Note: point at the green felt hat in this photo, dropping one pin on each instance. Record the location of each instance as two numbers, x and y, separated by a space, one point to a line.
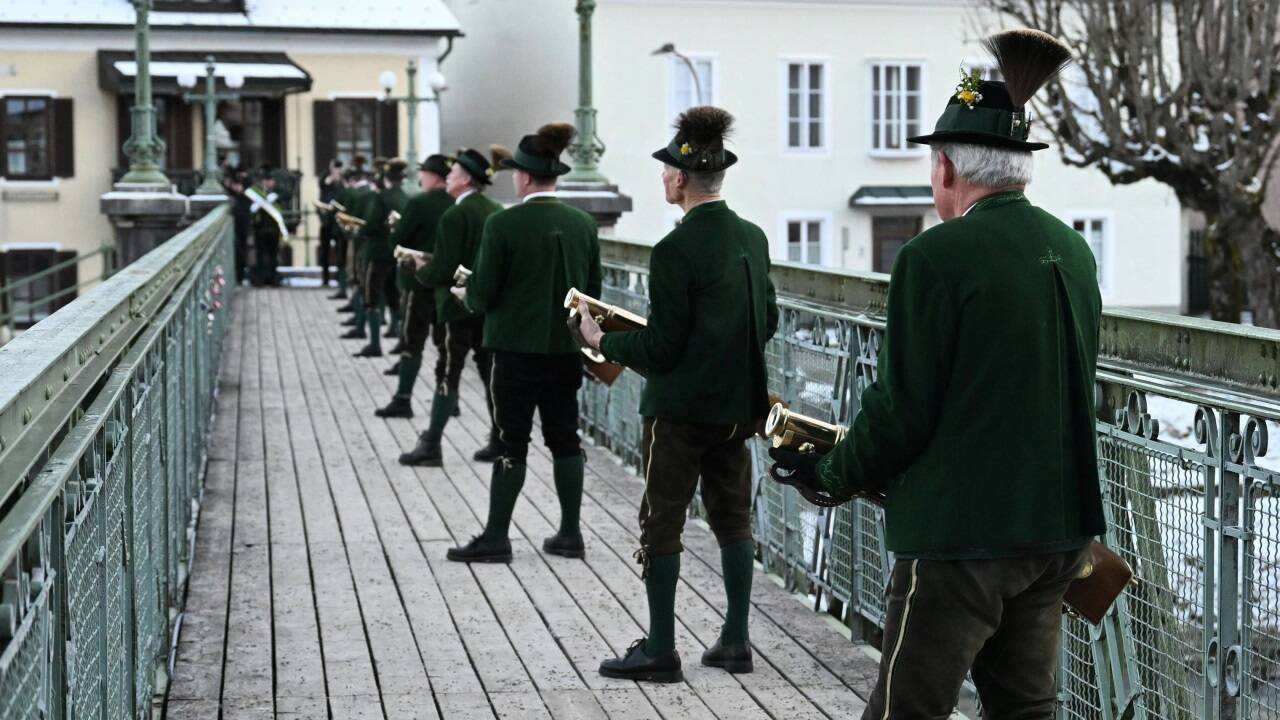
698 145
437 164
539 153
476 164
993 113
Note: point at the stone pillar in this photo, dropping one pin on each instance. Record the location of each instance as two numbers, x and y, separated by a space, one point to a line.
145 216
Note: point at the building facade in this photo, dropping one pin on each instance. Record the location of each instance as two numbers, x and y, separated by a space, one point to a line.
310 93
825 93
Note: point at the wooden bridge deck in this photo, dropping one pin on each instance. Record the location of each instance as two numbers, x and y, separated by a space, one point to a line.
320 588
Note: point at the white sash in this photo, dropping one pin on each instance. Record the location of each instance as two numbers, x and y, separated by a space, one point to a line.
264 203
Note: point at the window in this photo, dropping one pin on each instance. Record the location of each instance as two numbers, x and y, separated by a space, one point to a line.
31 301
807 238
27 137
1096 231
682 92
888 235
173 125
354 128
806 105
897 106
249 132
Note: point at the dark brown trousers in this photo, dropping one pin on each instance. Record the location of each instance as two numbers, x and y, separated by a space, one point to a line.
674 456
1001 618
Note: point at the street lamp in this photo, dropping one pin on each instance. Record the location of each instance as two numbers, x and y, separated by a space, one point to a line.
437 83
144 148
670 49
210 98
587 150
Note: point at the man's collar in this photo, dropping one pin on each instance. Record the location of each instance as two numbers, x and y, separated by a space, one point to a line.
465 195
540 194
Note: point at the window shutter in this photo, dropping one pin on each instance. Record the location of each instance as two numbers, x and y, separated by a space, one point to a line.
67 278
387 134
181 135
64 143
322 121
273 131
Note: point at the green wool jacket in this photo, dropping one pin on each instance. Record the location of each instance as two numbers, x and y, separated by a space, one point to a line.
457 242
357 201
377 235
979 426
530 255
417 227
712 309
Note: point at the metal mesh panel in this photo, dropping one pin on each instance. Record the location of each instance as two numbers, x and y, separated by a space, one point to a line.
1260 684
118 630
86 663
1155 500
24 670
1077 679
141 555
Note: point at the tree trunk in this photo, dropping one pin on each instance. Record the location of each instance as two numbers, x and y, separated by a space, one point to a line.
1262 276
1227 233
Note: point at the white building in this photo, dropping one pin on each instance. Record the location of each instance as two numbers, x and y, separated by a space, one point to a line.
825 93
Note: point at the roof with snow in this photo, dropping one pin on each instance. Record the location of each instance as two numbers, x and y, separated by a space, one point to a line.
403 17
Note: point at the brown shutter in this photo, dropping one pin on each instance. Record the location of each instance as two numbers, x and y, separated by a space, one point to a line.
273 131
180 151
387 134
64 143
67 278
323 131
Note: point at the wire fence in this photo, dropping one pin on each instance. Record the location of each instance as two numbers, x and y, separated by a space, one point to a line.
1197 514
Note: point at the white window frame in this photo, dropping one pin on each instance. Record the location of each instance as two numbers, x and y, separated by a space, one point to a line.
1106 277
674 65
826 223
784 94
910 150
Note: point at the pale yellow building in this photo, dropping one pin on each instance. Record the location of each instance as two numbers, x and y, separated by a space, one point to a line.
310 92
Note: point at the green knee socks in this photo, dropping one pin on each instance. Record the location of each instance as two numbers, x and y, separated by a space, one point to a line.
357 307
504 490
568 472
441 410
660 586
738 562
409 366
374 317
342 280
395 320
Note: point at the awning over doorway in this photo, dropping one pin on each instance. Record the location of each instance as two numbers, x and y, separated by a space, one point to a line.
891 196
263 73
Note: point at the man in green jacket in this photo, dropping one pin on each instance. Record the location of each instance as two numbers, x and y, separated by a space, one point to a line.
995 308
356 198
417 231
711 311
530 256
268 227
457 242
380 265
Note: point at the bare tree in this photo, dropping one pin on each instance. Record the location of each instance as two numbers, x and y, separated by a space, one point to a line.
1186 92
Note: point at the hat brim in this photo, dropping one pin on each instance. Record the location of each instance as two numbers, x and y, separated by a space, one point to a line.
666 157
983 139
511 164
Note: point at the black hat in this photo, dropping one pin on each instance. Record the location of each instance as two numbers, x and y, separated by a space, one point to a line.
539 153
437 164
266 168
395 170
698 146
993 113
478 166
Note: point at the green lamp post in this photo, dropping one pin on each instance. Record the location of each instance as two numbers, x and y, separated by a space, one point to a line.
144 149
388 82
587 150
210 98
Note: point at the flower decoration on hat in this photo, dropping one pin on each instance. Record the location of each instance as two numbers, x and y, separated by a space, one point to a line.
686 149
968 91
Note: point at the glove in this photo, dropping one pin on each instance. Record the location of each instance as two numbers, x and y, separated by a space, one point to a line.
800 471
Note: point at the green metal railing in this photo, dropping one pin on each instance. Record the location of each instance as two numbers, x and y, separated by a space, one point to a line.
104 410
1185 419
12 309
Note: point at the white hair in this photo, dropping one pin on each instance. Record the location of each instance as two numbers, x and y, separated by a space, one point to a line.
984 166
705 183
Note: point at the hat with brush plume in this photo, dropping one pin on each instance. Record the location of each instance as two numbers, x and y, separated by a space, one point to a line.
698 146
539 153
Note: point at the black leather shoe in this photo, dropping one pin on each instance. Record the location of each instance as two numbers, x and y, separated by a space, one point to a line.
399 407
350 322
636 665
564 546
489 453
346 308
368 351
733 658
390 334
397 348
456 412
353 334
425 454
481 550
340 295
394 370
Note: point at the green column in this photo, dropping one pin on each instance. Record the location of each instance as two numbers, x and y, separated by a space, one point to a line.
143 148
587 150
